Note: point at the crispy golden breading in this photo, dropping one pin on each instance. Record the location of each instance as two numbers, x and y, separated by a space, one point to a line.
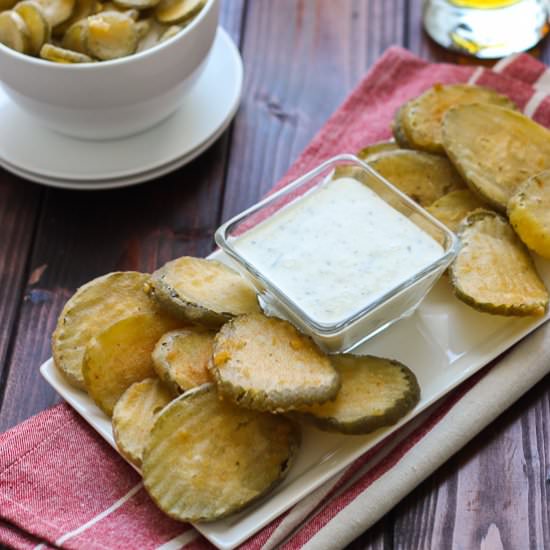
529 213
181 358
421 117
134 415
207 458
493 271
90 309
205 292
264 363
375 392
120 355
495 149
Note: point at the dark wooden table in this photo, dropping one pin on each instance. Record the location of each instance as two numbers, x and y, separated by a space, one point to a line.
301 59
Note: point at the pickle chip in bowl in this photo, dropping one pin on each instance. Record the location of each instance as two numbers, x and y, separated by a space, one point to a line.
57 11
111 35
177 11
62 55
14 32
37 24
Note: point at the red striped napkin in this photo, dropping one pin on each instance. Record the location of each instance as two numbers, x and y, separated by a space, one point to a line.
61 485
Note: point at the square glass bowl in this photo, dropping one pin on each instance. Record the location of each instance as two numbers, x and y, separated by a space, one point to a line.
279 213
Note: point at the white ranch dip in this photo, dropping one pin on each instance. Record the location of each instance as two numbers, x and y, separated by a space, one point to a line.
337 249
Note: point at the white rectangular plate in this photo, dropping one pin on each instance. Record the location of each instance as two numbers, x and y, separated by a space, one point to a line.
444 343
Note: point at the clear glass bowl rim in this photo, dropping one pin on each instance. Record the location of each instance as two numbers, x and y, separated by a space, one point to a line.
331 329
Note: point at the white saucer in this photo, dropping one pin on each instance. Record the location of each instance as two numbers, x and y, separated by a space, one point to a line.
41 155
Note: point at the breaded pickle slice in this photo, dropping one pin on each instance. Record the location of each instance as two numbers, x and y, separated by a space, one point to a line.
381 147
134 415
421 117
94 306
422 176
203 291
375 392
38 26
264 363
111 35
207 458
76 37
181 358
170 32
529 213
453 207
61 55
14 32
82 9
56 11
397 129
493 271
171 12
136 4
120 355
495 149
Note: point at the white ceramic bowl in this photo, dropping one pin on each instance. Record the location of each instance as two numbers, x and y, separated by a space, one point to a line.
111 99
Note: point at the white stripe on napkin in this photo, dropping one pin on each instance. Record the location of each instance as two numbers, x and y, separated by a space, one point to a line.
504 62
543 81
533 104
99 517
474 77
181 540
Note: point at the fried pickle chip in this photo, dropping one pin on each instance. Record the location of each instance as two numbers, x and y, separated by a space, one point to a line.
111 35
264 363
421 118
177 11
422 176
493 271
453 207
495 149
181 358
376 148
529 213
90 309
56 11
120 355
82 9
206 458
375 392
76 37
38 26
14 32
61 55
136 4
397 129
203 291
134 415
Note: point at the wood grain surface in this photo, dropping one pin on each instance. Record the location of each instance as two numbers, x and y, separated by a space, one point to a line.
301 58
